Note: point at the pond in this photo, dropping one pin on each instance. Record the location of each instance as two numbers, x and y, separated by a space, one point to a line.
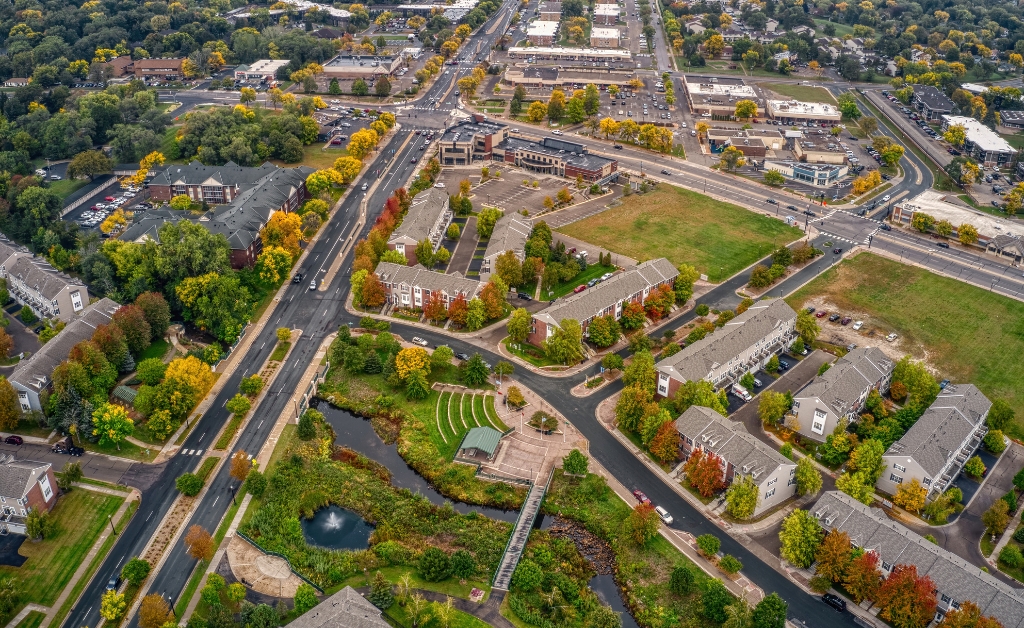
606 589
357 433
337 529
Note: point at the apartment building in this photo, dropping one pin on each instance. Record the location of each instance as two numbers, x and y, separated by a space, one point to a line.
956 580
213 184
48 292
427 219
32 375
510 234
604 37
742 345
935 448
841 391
542 32
411 286
932 102
24 485
550 11
701 428
984 144
159 69
604 299
607 14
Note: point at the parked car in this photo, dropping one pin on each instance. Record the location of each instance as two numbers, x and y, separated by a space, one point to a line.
462 356
667 518
641 497
606 276
592 283
61 446
833 318
78 452
858 325
891 337
13 440
579 289
810 309
846 320
943 384
835 602
783 365
416 340
524 296
821 314
757 383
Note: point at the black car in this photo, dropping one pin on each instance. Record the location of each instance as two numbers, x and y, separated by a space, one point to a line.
885 227
113 583
13 440
942 245
297 278
462 356
783 365
618 147
835 602
78 452
663 171
524 296
837 251
833 318
771 201
792 208
809 212
810 309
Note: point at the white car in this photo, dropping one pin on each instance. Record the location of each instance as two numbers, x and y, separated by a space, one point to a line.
857 325
886 198
891 337
416 340
682 125
439 185
556 132
667 518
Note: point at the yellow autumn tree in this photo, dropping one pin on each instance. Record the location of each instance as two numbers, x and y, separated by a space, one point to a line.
283 230
412 359
348 168
192 372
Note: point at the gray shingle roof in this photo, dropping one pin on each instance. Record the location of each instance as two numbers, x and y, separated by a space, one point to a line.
848 378
933 98
147 224
18 476
959 410
731 441
453 284
345 608
9 249
268 194
423 214
510 234
953 576
39 275
697 360
195 173
34 373
593 301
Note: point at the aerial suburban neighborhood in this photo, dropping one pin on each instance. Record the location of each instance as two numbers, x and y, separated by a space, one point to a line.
512 313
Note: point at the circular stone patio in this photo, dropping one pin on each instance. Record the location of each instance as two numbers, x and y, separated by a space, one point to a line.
265 574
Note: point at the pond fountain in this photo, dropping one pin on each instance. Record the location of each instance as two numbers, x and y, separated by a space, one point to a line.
337 528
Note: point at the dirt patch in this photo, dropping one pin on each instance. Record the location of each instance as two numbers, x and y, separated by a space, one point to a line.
597 552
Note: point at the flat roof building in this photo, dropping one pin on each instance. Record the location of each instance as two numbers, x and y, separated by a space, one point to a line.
542 32
569 54
982 143
347 66
818 175
470 140
933 203
262 70
751 142
606 14
576 78
819 151
719 95
604 37
550 11
797 111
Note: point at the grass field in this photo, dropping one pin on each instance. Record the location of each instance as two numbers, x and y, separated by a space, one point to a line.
32 620
719 239
805 93
66 187
966 333
78 517
457 413
592 272
841 29
156 350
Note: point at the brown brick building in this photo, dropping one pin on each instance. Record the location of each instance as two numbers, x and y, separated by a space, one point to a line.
24 485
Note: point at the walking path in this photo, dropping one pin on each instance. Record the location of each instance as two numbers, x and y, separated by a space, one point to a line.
521 533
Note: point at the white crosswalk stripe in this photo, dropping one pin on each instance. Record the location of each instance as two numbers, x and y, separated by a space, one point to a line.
199 452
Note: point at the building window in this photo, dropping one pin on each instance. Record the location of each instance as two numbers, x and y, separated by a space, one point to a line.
927 481
773 481
769 493
945 599
895 478
76 301
886 566
899 468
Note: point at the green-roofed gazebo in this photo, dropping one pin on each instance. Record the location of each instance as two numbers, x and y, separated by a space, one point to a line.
126 394
480 442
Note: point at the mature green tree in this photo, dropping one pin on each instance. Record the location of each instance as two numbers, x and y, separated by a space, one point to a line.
89 164
800 535
565 345
434 564
742 497
518 325
772 407
476 371
807 326
770 612
640 372
808 478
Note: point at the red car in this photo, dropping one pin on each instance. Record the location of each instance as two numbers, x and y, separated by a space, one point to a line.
108 198
821 314
13 440
640 497
580 288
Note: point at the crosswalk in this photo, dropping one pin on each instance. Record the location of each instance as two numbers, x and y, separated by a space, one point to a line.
190 452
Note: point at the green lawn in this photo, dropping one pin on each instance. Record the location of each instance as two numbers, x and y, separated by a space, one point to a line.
66 187
719 239
459 619
79 517
805 93
156 350
966 333
560 290
841 29
533 355
451 586
32 620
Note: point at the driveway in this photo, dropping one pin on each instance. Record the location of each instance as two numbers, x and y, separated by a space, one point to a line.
466 247
24 339
962 536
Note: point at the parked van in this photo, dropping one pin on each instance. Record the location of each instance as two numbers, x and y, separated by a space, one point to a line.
741 392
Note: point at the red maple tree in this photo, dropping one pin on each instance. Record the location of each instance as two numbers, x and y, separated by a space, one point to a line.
665 444
435 309
458 311
863 578
633 316
373 291
704 471
906 599
968 616
494 301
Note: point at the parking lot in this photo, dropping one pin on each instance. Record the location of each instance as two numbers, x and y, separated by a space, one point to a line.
508 192
90 216
341 122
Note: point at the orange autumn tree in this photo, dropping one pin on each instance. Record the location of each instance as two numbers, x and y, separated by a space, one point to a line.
834 556
863 578
458 311
665 444
907 600
968 616
494 300
704 472
434 309
373 292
